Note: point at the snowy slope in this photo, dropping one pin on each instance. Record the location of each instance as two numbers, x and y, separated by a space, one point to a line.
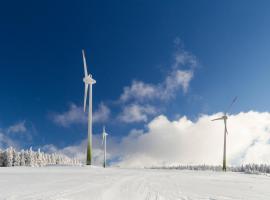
66 183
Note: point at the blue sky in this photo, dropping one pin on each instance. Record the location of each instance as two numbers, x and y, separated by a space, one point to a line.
41 67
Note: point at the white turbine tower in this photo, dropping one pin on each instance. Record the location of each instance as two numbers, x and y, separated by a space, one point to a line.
224 118
88 81
104 139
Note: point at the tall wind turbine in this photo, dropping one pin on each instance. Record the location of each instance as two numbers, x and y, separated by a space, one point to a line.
224 118
88 81
104 138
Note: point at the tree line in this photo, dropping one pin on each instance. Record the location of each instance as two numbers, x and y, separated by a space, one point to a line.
247 168
10 157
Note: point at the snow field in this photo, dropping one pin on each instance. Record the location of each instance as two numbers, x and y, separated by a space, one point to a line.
94 183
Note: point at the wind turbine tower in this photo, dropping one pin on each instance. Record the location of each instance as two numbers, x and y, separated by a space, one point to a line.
104 139
224 118
88 82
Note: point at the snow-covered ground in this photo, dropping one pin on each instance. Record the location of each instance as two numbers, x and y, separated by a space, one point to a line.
65 183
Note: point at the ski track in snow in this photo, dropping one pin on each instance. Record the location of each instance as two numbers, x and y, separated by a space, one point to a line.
94 183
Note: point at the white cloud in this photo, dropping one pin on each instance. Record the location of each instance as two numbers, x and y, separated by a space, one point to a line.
136 113
6 141
102 114
139 91
16 135
76 115
183 141
17 128
258 153
9 136
184 58
200 142
179 77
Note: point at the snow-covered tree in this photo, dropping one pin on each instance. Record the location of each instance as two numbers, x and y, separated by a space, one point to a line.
38 158
29 157
10 157
248 168
16 158
22 158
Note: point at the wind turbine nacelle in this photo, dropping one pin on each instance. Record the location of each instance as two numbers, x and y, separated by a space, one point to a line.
89 80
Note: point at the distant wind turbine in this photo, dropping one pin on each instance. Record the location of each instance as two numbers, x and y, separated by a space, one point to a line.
104 139
88 81
224 118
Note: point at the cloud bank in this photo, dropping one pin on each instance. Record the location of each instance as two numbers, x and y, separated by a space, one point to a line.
182 141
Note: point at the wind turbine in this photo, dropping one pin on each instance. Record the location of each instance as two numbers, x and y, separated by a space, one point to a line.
104 137
224 118
88 82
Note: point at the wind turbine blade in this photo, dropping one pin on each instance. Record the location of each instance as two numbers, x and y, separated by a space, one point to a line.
84 64
85 96
220 118
233 101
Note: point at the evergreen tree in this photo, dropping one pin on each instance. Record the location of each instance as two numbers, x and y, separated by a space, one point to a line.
8 157
22 158
16 158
